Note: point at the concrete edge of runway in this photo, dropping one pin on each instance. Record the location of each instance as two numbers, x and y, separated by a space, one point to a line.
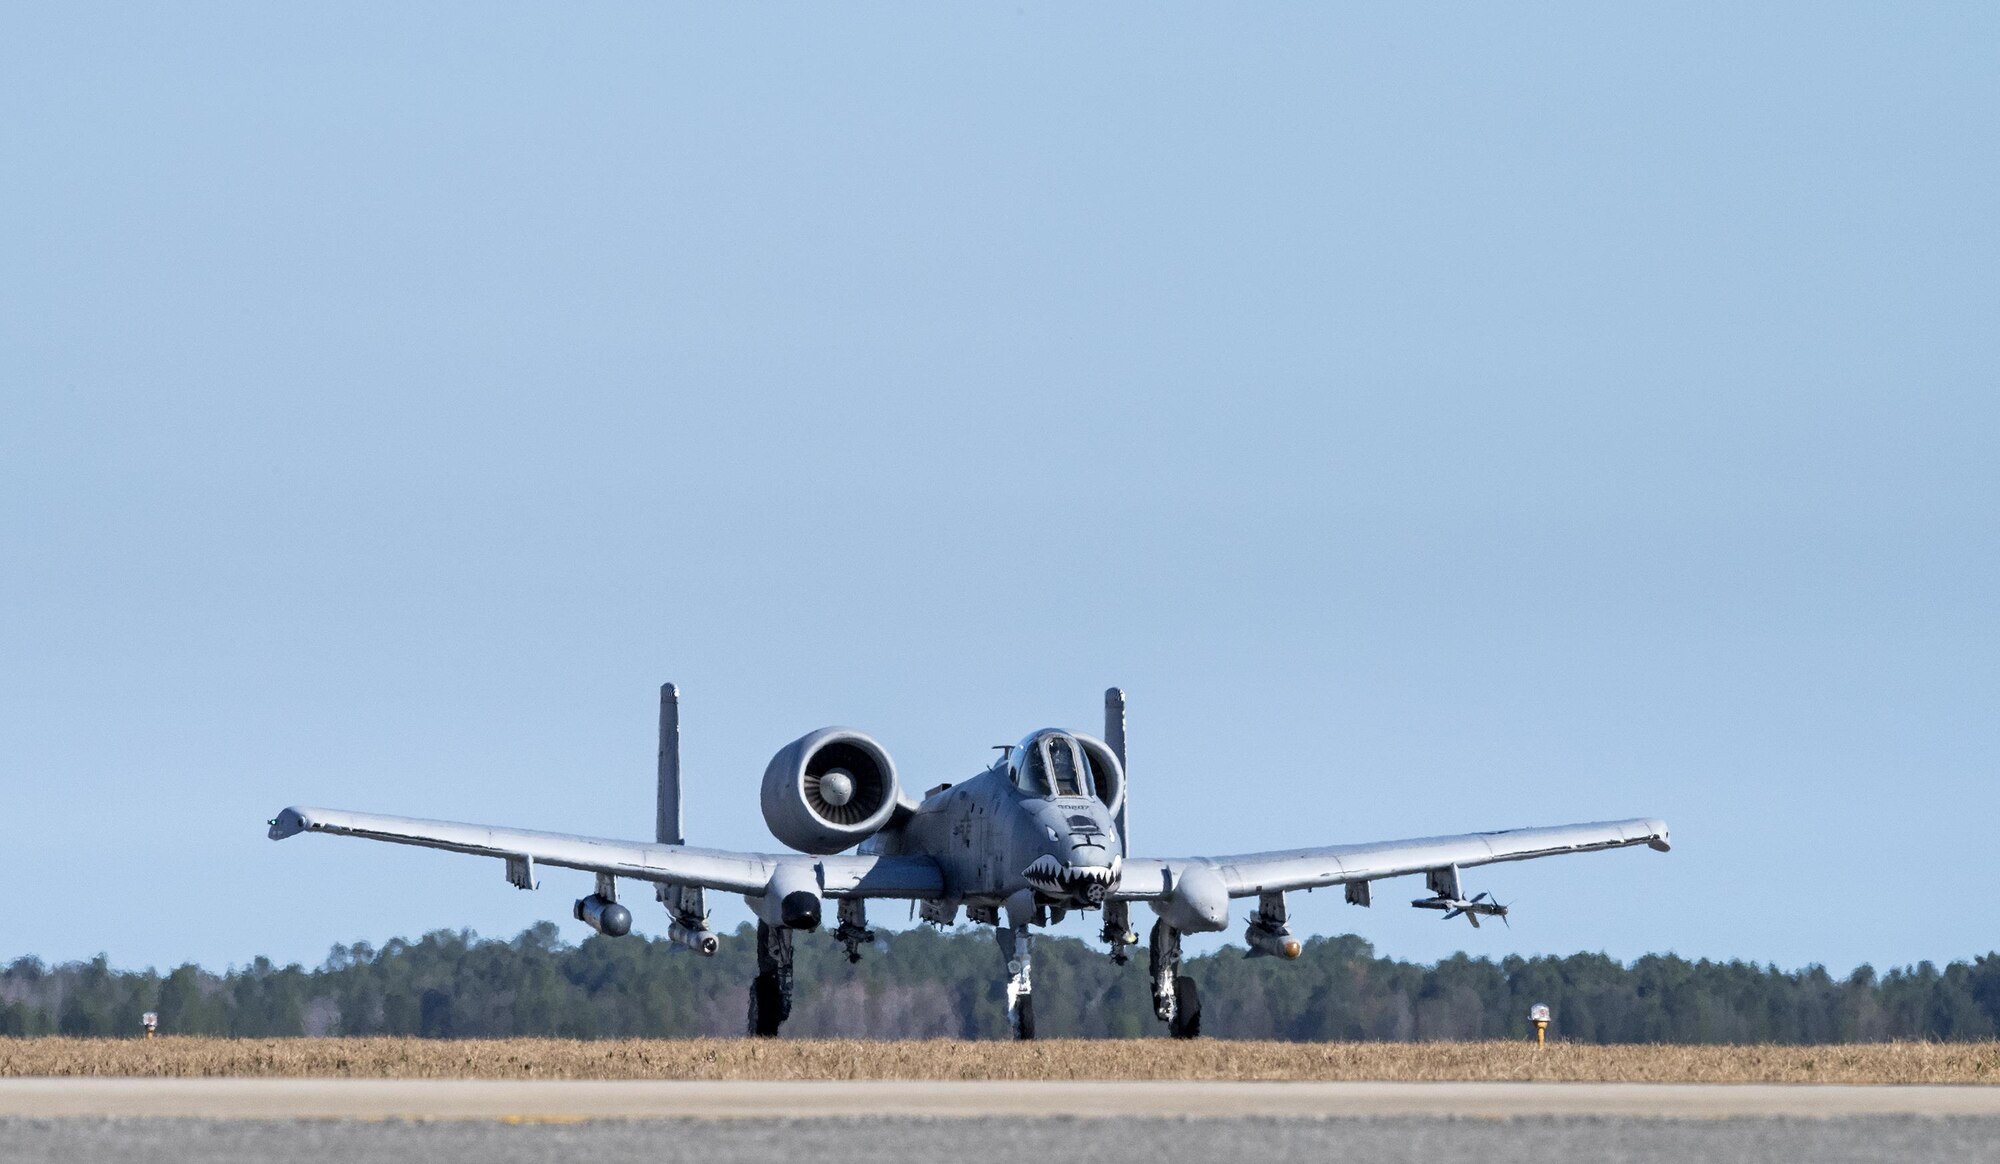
529 1101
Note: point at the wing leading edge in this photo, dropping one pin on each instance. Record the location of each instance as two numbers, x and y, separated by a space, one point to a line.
1149 878
719 869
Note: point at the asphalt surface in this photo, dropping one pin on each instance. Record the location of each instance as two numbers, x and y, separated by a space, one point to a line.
458 1121
873 1140
530 1100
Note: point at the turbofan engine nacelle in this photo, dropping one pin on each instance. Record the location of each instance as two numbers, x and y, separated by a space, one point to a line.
829 790
1107 774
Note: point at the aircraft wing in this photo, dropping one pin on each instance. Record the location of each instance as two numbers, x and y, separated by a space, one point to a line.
749 873
1149 878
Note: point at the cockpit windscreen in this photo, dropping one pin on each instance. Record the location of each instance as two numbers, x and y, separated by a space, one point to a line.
1053 765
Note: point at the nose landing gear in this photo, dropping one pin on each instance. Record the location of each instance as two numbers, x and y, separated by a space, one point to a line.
1017 949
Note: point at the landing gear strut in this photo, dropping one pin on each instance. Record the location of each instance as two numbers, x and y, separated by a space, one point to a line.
771 991
1017 948
1175 999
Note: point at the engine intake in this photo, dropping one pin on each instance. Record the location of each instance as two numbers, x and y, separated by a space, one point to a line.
829 790
1107 774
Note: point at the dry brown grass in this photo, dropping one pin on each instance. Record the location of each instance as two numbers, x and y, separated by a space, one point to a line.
948 1059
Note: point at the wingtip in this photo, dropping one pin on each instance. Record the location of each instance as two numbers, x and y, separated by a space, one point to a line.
288 823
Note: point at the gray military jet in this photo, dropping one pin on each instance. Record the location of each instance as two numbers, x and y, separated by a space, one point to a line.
1039 833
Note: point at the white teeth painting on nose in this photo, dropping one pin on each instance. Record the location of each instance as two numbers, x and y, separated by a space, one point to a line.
1047 873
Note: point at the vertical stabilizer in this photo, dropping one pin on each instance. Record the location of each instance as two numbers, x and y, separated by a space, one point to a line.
1114 735
687 903
667 828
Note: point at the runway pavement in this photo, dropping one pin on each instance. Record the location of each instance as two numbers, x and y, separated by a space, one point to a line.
981 1139
554 1100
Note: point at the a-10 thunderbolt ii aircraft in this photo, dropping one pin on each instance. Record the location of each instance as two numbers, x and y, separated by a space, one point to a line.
1037 834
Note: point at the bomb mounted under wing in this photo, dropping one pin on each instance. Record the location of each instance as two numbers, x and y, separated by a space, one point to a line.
1039 833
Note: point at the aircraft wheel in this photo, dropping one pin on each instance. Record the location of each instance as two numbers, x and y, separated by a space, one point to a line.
1186 1023
767 1006
1024 1017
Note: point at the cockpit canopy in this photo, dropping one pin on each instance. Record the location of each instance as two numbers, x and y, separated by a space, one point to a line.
1051 763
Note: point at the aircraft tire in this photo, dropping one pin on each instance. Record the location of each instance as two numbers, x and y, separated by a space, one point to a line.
767 1006
1186 1023
1024 1014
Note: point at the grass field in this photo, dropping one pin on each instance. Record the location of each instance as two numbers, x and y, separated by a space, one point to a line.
945 1059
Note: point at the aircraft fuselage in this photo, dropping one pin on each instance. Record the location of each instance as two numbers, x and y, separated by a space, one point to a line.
1009 831
993 840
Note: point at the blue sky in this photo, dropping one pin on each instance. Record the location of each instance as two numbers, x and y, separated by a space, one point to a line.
1437 418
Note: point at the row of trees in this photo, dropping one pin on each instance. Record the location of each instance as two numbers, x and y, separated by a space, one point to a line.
922 983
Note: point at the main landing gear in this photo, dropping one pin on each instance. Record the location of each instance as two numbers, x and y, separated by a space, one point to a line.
1175 999
771 991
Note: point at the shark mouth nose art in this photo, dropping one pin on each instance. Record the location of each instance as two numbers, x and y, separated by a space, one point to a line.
1084 882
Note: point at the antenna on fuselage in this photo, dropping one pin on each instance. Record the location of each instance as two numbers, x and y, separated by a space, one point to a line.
667 825
1114 735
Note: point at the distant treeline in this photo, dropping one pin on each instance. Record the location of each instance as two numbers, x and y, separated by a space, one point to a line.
922 983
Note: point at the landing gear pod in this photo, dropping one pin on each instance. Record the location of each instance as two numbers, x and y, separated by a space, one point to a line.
790 901
605 916
1198 902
